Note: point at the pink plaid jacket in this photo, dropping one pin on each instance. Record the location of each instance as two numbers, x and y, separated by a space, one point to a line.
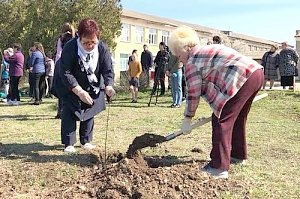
216 73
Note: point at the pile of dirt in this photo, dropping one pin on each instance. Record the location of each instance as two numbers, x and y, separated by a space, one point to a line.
131 179
118 177
133 176
145 140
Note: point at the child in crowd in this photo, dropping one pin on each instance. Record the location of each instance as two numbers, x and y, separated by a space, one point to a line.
134 72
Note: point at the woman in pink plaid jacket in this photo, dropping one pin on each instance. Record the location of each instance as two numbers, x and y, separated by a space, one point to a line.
228 81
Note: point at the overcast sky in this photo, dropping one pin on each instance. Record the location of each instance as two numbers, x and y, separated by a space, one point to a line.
275 20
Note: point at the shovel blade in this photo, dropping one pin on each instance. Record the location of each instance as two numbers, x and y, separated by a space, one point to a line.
173 135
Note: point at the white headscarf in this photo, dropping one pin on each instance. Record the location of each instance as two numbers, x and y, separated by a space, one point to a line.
90 64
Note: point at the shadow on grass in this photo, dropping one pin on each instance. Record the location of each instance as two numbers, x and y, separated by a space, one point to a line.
142 103
167 161
132 105
138 105
294 94
3 104
30 153
26 117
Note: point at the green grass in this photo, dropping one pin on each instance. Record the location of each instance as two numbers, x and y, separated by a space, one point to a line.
31 156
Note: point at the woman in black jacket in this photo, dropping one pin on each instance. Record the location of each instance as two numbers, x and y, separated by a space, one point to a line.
84 60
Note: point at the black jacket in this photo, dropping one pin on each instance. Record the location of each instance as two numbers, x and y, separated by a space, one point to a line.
146 59
162 59
70 74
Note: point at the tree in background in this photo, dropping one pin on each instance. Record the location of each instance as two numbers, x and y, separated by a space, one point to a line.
27 21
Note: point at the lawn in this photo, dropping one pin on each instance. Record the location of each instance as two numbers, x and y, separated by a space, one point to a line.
33 164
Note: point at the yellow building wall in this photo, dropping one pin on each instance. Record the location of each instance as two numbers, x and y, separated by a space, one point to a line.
127 47
246 46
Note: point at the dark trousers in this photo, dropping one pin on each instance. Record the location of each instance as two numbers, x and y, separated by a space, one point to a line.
183 86
14 88
50 83
68 128
31 84
229 131
159 78
39 85
59 107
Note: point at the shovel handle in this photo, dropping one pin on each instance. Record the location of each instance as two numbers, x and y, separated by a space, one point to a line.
205 120
196 124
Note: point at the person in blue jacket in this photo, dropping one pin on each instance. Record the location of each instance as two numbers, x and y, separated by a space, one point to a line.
5 79
38 70
83 61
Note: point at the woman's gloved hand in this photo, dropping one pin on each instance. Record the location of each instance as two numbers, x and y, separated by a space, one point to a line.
186 126
85 97
110 91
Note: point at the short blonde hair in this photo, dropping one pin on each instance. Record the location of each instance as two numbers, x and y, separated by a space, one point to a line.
275 46
182 37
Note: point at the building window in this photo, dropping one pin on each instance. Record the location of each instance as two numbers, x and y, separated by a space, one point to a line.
165 37
139 32
124 61
152 36
125 34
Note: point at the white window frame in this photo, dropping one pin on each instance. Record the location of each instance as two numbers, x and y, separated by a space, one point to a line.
139 34
152 36
165 36
124 61
125 33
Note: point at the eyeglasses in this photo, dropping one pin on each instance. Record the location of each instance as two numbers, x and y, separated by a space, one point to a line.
89 43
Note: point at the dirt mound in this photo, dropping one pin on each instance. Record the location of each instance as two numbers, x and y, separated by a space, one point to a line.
117 177
156 178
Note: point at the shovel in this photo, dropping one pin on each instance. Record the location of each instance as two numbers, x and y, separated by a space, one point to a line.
198 123
203 121
152 140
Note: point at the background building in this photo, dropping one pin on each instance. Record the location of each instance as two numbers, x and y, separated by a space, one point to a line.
297 37
139 29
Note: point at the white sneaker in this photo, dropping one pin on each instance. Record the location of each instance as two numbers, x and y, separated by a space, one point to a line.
88 146
215 173
9 102
237 161
15 103
70 149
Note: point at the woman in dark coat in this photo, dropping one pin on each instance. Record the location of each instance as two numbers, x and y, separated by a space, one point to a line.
68 32
84 60
288 66
270 62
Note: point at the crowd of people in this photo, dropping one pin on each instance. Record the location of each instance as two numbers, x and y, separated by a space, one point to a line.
40 67
277 65
80 74
285 61
164 65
